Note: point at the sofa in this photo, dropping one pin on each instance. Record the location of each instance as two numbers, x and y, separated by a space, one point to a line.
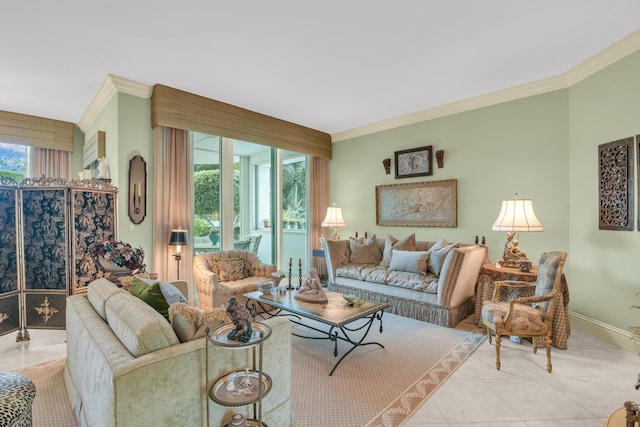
125 365
225 274
429 281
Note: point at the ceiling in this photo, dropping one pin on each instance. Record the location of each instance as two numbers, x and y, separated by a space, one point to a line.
331 65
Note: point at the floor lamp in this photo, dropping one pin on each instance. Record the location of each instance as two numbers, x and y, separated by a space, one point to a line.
178 239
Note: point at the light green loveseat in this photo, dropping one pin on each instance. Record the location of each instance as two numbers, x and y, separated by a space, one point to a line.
163 384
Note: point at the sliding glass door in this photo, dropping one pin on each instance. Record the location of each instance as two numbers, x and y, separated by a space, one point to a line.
251 197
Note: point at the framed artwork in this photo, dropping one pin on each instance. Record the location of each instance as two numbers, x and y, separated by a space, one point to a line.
615 189
414 162
418 204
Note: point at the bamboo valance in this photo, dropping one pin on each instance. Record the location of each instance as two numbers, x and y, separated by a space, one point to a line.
35 131
182 110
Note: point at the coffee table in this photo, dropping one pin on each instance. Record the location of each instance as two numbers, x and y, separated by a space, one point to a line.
335 313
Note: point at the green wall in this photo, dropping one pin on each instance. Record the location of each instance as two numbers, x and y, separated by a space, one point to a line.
604 279
494 152
543 147
126 119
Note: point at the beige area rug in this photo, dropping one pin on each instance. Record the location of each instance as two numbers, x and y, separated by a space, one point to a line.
51 406
371 387
374 386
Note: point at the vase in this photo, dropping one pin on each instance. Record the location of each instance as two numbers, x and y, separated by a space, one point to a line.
112 268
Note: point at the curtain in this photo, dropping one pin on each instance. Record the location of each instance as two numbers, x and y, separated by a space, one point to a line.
49 163
173 203
319 203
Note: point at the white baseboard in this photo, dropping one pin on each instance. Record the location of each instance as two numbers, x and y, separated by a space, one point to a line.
603 331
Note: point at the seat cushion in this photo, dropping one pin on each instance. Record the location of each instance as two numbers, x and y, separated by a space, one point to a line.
525 320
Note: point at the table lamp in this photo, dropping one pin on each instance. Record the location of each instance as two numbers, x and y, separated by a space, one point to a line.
515 216
178 239
334 219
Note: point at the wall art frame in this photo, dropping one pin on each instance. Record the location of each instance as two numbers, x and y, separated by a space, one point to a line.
418 204
414 162
615 185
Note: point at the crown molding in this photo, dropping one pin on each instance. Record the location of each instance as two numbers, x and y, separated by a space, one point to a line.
111 85
599 61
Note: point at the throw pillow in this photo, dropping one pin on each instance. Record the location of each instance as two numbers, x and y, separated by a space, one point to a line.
190 323
151 294
228 269
409 261
171 293
364 251
437 257
391 243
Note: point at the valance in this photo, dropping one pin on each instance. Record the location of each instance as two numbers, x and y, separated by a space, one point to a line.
36 131
182 110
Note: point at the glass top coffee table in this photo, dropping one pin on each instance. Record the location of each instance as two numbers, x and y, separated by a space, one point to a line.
343 320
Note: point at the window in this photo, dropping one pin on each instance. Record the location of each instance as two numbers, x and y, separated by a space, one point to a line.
13 161
246 173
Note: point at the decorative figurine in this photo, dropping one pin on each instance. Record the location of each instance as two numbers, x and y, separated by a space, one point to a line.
311 289
102 168
241 319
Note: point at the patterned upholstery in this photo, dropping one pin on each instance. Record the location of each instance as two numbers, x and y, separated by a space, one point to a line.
16 396
530 316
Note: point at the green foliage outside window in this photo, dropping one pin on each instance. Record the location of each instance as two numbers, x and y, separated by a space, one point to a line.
207 198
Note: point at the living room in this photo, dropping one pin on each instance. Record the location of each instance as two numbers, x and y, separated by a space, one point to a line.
537 138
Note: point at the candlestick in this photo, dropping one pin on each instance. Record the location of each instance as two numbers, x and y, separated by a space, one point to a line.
300 271
290 261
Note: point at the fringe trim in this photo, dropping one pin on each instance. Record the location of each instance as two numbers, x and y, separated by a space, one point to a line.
419 310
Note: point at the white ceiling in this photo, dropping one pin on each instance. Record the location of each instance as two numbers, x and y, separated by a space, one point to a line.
331 65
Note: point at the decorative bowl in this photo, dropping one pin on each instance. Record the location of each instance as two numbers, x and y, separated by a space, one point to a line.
353 299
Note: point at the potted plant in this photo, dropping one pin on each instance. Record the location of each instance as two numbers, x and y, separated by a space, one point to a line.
266 223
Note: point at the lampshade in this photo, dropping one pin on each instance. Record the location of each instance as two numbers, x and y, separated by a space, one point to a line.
179 238
333 218
517 215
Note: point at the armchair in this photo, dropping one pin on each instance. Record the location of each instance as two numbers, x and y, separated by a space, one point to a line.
225 274
532 316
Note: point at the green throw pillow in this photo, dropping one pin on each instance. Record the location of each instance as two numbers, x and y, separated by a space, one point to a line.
151 294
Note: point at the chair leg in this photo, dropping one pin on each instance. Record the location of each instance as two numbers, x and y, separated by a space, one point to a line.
534 341
548 342
498 340
489 334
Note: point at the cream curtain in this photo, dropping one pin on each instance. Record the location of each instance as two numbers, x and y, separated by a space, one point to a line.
49 163
172 203
319 203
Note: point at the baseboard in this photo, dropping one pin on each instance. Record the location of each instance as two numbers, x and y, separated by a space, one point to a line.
603 331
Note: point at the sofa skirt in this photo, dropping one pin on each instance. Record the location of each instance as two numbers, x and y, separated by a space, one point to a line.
407 302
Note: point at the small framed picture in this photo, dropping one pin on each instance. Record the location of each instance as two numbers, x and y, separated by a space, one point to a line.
414 162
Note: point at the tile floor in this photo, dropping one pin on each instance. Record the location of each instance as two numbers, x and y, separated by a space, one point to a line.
589 381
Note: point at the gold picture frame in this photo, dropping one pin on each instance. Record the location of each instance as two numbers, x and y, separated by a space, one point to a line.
418 204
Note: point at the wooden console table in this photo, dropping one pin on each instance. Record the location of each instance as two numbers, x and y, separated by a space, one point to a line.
485 287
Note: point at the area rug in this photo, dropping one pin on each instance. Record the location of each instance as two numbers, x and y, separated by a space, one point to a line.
373 386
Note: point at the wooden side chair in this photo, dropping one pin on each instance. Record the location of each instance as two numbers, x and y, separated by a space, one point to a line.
529 317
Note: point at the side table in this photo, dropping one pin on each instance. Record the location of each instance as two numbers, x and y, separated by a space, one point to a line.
485 287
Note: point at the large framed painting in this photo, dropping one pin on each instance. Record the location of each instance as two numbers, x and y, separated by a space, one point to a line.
615 190
418 204
414 162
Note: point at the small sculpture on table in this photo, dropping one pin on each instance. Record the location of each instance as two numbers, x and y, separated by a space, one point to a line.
311 289
241 319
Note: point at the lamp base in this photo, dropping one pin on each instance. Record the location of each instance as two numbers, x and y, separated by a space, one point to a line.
512 255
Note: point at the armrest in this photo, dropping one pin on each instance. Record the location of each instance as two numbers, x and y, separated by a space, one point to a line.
336 253
264 270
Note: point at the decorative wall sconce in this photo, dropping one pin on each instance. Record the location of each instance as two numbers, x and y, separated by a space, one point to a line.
137 189
387 165
440 158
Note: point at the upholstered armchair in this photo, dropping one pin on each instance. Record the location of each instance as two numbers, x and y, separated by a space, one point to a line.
221 275
529 317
